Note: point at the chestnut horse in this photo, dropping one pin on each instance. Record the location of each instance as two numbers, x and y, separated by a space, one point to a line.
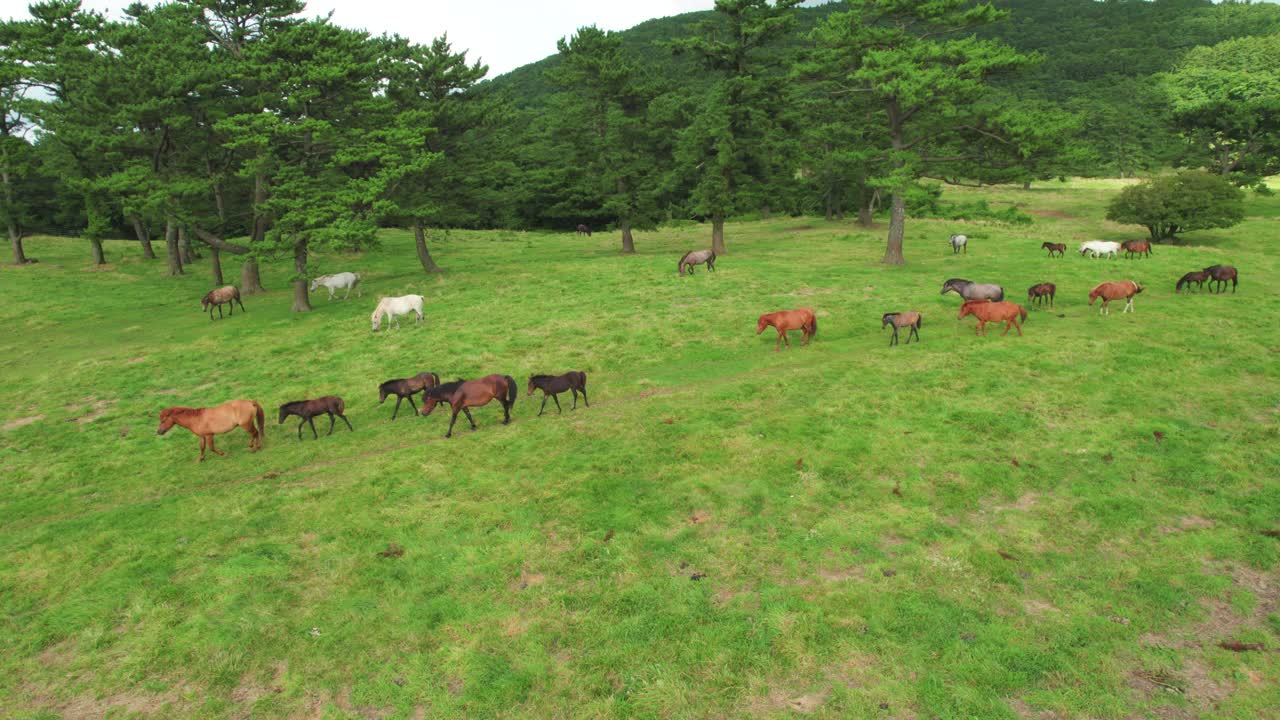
802 319
227 294
988 311
207 422
1059 248
1221 274
440 393
1141 247
1037 293
474 393
330 405
1109 291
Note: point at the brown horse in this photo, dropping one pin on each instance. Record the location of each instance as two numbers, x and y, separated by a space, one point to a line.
913 320
987 311
228 294
1221 274
1198 277
330 405
575 381
1059 248
1141 247
439 393
802 319
474 393
1037 293
207 422
406 388
584 230
1109 291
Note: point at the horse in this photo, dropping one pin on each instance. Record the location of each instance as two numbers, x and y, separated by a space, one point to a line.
474 393
913 320
330 405
697 257
228 294
440 392
1198 277
973 291
1039 292
958 243
1100 247
339 281
392 307
1059 248
1109 291
584 230
1221 274
207 422
802 319
405 388
1140 247
987 311
552 385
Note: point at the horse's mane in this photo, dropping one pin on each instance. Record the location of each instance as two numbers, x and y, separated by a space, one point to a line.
542 377
293 404
443 388
179 410
389 383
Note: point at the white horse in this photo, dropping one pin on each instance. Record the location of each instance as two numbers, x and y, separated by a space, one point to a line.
339 281
394 306
958 242
1100 247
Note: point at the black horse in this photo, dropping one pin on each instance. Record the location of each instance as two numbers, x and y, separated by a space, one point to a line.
330 405
553 385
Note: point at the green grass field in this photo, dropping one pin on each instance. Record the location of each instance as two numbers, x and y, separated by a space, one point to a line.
1061 525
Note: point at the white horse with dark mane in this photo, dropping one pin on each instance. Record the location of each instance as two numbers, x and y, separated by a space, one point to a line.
1100 247
959 242
338 281
393 307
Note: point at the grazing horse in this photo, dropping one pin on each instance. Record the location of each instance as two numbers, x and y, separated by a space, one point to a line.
229 295
802 319
1221 274
207 422
439 393
406 388
697 257
1059 248
1100 247
474 393
1198 277
958 243
1140 247
330 405
552 385
913 320
1037 293
339 281
584 230
1109 291
1006 312
393 307
973 291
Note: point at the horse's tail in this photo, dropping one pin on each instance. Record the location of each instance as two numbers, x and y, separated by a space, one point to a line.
813 324
512 390
1023 312
262 422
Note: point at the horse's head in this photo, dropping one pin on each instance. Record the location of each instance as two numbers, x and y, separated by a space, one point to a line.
206 301
168 418
965 309
382 391
316 283
530 388
377 320
1136 287
284 413
954 285
886 319
762 323
428 404
1094 294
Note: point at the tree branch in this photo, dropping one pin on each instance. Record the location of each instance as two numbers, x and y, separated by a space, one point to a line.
214 241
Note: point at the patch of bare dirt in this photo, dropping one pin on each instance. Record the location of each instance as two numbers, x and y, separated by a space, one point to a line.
22 422
699 516
1026 502
135 360
782 700
840 574
1039 608
128 703
1023 710
92 410
250 691
527 580
1187 524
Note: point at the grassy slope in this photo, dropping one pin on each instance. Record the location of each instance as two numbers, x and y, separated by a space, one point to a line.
547 566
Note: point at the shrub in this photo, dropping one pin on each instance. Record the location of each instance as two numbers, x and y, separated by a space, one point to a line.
1172 204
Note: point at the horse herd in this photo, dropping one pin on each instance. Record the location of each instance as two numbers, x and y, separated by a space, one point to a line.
984 301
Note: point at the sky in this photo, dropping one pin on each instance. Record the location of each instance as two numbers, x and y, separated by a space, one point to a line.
505 34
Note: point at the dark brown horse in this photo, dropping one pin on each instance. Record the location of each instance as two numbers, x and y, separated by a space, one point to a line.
406 388
988 311
228 294
552 385
802 319
1198 277
913 320
474 393
207 422
1059 248
440 393
1221 274
330 405
1037 293
1140 247
584 230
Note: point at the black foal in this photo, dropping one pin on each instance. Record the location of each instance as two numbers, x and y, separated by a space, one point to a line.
553 385
330 405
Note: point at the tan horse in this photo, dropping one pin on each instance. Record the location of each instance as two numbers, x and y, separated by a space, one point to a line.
1011 314
227 294
1109 291
207 422
802 319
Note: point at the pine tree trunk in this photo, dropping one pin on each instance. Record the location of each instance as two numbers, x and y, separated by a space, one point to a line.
250 275
99 257
628 242
1026 185
215 267
831 208
250 278
897 228
171 247
301 303
424 255
15 241
144 237
717 234
184 246
865 217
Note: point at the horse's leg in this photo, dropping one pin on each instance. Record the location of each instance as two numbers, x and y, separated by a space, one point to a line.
415 407
452 419
219 312
506 410
915 330
544 404
219 452
202 444
304 422
469 418
312 421
559 410
397 410
330 425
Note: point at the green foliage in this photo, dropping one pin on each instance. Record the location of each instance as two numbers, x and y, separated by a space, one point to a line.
1171 204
